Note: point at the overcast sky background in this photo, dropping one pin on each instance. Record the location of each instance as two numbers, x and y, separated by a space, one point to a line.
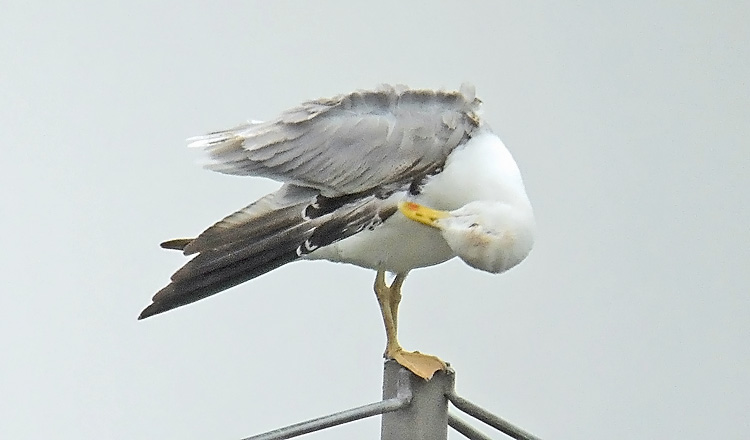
630 319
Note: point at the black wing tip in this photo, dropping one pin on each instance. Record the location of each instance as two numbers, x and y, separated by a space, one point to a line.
178 244
151 310
162 302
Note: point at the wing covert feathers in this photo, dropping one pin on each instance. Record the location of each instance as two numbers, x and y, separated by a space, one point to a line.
349 143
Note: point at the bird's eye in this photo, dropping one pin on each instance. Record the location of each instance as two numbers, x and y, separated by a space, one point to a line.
474 225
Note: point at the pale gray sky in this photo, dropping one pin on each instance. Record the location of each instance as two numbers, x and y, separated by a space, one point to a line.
630 319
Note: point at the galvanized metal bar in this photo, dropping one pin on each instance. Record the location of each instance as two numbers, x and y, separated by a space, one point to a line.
487 417
426 418
464 428
402 398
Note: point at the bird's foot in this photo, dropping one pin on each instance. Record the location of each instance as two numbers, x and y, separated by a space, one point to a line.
423 365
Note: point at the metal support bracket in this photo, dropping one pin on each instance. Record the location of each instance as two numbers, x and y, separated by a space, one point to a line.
413 409
402 397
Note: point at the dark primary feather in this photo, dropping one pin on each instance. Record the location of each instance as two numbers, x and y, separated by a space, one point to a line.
266 215
177 244
243 258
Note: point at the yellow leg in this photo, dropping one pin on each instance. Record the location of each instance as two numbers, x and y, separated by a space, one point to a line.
396 298
383 293
389 297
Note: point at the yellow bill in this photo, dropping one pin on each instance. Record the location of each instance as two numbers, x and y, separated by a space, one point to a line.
422 214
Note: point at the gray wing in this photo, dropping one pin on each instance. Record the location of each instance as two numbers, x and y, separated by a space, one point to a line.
350 143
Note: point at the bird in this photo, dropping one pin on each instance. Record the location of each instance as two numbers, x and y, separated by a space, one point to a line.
389 179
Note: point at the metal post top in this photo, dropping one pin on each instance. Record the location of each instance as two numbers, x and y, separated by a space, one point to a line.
426 417
412 409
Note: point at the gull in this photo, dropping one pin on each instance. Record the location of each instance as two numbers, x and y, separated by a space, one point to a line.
391 179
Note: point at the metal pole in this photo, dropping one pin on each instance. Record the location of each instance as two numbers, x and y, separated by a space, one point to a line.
401 399
487 417
464 428
427 416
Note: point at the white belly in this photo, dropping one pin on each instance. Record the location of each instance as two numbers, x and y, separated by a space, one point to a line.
398 245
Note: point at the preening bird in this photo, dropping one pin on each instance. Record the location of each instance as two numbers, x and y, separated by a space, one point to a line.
391 180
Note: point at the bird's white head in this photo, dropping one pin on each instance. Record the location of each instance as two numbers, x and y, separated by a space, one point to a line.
490 236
